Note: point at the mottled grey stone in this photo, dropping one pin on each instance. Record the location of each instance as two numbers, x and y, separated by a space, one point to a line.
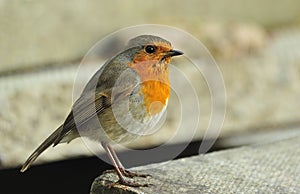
270 168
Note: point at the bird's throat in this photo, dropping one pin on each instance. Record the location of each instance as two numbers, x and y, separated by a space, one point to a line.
155 86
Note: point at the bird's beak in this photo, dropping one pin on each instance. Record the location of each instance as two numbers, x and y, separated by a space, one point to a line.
173 53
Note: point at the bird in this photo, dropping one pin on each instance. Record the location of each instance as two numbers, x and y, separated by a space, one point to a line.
125 98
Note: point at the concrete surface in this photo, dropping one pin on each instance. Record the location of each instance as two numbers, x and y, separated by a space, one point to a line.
269 168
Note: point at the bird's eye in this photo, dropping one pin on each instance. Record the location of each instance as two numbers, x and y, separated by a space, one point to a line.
150 49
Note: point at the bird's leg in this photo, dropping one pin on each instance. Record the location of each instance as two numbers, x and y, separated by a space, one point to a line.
119 172
121 167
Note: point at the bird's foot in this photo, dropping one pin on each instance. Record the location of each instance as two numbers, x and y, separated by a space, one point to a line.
127 183
130 174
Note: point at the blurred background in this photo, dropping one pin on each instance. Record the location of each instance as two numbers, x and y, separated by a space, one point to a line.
255 43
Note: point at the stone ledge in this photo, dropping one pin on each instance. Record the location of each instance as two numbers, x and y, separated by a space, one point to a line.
269 168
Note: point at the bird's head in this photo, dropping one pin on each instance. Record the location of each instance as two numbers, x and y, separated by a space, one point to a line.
151 56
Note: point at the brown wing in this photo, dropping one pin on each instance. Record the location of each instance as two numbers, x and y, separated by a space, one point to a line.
88 107
85 108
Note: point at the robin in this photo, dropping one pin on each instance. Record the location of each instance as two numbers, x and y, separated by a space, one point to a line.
123 99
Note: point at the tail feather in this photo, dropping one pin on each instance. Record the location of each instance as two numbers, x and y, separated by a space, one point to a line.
48 142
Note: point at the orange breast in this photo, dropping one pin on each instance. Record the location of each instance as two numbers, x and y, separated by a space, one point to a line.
156 95
155 85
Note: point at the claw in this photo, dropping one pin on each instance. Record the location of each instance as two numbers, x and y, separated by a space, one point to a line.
134 174
128 173
127 183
